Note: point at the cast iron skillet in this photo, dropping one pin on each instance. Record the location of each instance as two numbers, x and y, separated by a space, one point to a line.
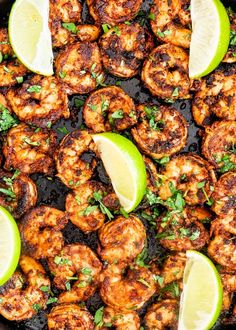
53 192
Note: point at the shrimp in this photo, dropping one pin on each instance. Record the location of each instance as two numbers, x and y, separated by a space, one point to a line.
123 48
22 296
161 131
75 262
109 108
61 12
216 96
190 175
70 316
218 145
121 320
29 150
165 73
10 72
173 268
81 209
73 169
229 287
113 12
153 178
41 231
162 314
86 32
224 224
40 101
224 195
171 22
222 249
79 67
230 55
126 288
64 22
5 46
122 239
178 232
18 193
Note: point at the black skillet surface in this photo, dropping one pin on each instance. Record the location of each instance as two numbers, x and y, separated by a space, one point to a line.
53 192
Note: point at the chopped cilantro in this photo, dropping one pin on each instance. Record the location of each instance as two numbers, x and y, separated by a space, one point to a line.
34 89
6 119
106 27
141 280
70 27
63 130
98 317
62 74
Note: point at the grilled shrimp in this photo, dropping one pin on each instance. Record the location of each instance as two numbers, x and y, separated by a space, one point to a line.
5 46
10 72
191 175
165 72
224 196
121 320
162 131
63 11
86 32
126 288
29 149
81 209
222 249
63 20
218 145
18 193
41 231
39 101
224 224
170 21
173 268
178 232
153 178
75 262
123 48
109 108
113 12
122 239
216 95
229 287
79 67
230 55
70 316
72 167
162 315
10 68
22 296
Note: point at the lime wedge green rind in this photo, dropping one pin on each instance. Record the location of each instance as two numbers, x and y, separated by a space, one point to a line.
10 245
126 156
30 36
201 300
202 21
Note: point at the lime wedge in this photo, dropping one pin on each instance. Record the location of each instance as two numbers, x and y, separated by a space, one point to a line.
10 245
125 167
30 36
201 299
210 36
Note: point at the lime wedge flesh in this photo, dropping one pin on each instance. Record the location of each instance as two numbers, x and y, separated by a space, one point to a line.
201 299
30 36
125 167
10 245
210 36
